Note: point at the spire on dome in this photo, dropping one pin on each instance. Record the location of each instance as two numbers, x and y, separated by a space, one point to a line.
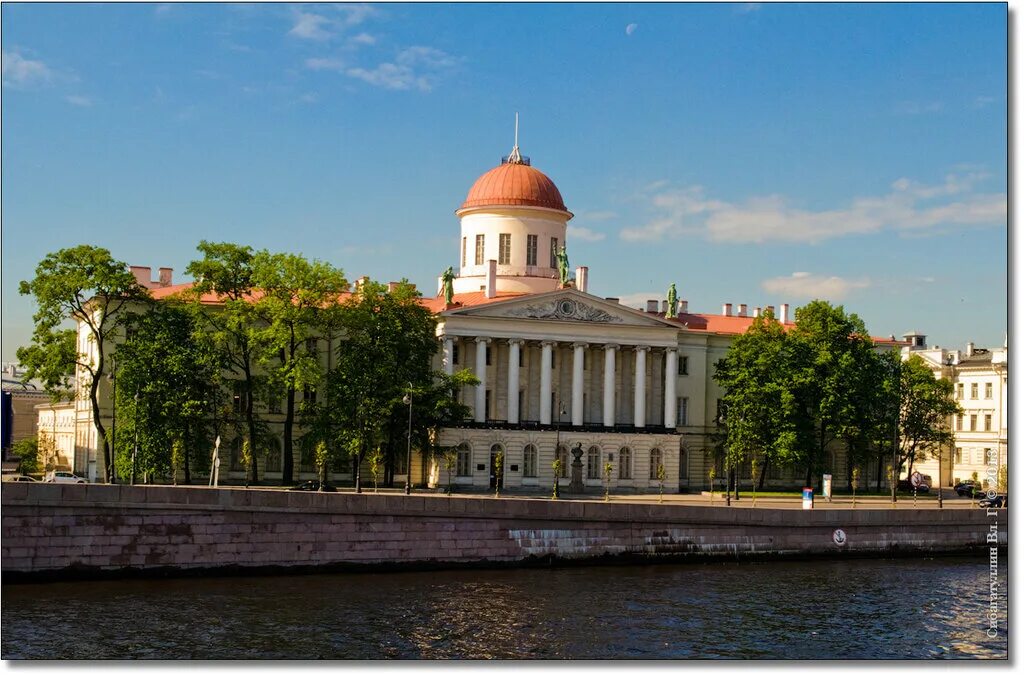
514 157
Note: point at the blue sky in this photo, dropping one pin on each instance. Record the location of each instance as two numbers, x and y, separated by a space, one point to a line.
757 153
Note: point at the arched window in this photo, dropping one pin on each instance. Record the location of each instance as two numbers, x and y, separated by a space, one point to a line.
273 446
462 458
236 454
530 461
563 454
655 462
594 462
625 462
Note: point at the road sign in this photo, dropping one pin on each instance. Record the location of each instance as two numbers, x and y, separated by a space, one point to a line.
916 479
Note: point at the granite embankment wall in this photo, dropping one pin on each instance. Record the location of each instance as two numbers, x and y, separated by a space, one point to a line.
69 531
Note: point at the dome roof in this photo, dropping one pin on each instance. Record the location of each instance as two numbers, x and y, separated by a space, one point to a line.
514 184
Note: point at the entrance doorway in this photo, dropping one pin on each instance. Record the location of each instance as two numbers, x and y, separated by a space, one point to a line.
497 479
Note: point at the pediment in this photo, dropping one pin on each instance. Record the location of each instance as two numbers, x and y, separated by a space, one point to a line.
566 305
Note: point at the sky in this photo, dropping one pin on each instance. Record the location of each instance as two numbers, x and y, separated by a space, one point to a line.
752 153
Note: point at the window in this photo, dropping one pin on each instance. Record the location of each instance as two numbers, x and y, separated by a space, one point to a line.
274 406
487 352
504 249
455 352
989 457
530 461
462 460
562 454
960 391
554 253
988 390
988 423
594 462
531 250
625 455
974 422
273 455
655 462
463 251
487 404
974 390
958 456
684 365
311 345
479 249
236 454
309 395
682 410
959 422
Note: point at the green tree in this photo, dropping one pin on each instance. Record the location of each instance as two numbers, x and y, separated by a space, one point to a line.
926 405
499 458
27 451
449 456
323 459
168 388
225 277
607 479
294 294
556 467
86 285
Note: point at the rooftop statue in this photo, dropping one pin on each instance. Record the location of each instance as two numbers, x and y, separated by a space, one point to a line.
670 313
447 279
563 266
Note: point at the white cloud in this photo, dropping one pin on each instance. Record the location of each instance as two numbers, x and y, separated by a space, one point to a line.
631 28
311 27
80 101
804 285
22 72
336 65
917 107
983 101
362 39
747 7
414 68
584 233
909 206
311 97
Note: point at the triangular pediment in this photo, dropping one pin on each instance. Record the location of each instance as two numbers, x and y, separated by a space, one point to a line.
565 305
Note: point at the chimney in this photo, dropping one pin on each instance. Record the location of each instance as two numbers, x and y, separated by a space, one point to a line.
727 309
784 312
757 312
392 286
615 300
664 306
581 278
491 289
360 282
142 275
684 306
652 306
970 349
166 274
770 308
742 310
440 286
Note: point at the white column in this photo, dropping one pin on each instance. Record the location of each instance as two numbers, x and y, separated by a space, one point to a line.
480 412
609 385
513 381
447 354
577 383
671 374
545 383
640 387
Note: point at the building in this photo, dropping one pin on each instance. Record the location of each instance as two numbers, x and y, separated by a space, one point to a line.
979 385
560 368
19 415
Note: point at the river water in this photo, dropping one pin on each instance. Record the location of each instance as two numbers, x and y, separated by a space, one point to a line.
850 609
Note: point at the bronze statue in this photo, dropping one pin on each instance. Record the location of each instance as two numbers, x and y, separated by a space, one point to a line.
563 266
449 291
670 313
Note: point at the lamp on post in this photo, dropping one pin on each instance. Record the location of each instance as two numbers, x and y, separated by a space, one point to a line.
112 377
408 457
135 449
558 420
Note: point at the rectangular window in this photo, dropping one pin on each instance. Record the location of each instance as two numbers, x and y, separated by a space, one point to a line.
531 250
960 391
684 404
309 395
530 462
554 253
504 249
958 457
311 345
974 390
479 249
487 352
684 365
462 461
274 405
455 353
974 422
988 423
463 251
959 422
988 390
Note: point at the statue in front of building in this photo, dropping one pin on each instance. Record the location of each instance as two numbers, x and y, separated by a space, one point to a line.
563 266
447 280
672 298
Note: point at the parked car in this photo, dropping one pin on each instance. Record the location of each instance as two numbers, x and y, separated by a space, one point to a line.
23 479
905 486
313 486
63 477
967 488
996 502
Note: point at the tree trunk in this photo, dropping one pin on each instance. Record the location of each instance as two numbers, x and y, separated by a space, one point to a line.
287 459
878 477
251 419
849 465
101 432
760 479
188 473
357 477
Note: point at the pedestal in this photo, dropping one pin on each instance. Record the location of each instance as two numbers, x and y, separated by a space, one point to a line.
576 483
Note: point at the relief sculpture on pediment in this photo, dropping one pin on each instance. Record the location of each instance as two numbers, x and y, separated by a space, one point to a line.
565 309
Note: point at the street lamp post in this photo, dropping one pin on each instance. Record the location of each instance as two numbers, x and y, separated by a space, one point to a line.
112 376
408 448
135 449
558 420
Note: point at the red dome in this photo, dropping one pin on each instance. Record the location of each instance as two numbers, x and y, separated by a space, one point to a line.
514 185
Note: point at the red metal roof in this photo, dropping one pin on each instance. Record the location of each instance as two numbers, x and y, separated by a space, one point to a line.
514 185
